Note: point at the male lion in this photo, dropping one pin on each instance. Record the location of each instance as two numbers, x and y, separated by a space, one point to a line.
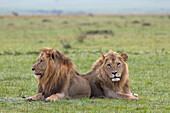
58 77
109 77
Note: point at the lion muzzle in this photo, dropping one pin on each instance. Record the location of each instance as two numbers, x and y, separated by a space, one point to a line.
115 79
37 75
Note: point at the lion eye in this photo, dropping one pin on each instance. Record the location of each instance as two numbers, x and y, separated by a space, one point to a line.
109 65
118 64
41 61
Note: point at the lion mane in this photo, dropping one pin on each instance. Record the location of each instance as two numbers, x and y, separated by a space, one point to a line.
102 84
60 78
53 80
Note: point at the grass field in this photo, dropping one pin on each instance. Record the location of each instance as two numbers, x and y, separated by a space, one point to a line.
146 40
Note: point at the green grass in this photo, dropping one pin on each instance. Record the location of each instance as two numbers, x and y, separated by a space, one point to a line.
148 48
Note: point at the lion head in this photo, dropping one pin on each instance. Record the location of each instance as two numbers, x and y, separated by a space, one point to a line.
114 65
45 59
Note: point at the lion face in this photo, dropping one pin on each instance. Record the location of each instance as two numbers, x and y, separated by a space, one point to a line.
40 66
114 65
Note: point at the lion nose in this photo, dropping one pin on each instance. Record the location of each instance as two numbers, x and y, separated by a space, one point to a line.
114 72
33 68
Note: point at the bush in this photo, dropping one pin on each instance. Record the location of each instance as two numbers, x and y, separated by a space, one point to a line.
65 44
81 37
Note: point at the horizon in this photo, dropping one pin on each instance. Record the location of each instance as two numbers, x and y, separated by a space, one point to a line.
85 7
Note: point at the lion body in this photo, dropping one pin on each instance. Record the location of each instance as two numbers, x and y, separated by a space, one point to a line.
103 86
60 78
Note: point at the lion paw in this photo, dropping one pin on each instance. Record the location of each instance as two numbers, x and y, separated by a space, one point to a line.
134 98
51 99
47 100
29 99
136 95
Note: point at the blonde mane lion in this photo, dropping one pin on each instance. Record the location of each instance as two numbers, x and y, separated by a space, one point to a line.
109 77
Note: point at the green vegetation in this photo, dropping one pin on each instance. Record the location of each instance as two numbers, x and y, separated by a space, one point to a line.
146 39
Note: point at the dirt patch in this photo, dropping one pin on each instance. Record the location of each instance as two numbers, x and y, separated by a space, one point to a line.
135 22
32 52
109 22
90 14
11 24
146 24
94 32
160 33
46 20
15 13
65 22
8 53
88 24
17 53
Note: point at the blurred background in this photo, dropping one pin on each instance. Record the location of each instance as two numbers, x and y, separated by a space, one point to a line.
85 6
83 30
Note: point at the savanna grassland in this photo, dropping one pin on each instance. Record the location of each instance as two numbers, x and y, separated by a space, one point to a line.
146 40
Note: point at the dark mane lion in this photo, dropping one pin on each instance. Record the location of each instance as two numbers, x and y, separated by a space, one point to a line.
109 77
58 77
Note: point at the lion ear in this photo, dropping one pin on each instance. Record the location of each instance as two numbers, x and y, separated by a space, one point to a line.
124 56
103 57
43 50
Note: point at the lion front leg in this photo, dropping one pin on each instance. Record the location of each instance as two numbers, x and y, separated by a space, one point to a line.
127 96
118 95
55 97
38 96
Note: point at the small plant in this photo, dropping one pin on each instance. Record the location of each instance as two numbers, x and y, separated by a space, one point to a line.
65 44
81 37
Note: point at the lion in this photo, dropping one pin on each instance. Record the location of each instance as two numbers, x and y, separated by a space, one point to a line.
58 78
109 77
